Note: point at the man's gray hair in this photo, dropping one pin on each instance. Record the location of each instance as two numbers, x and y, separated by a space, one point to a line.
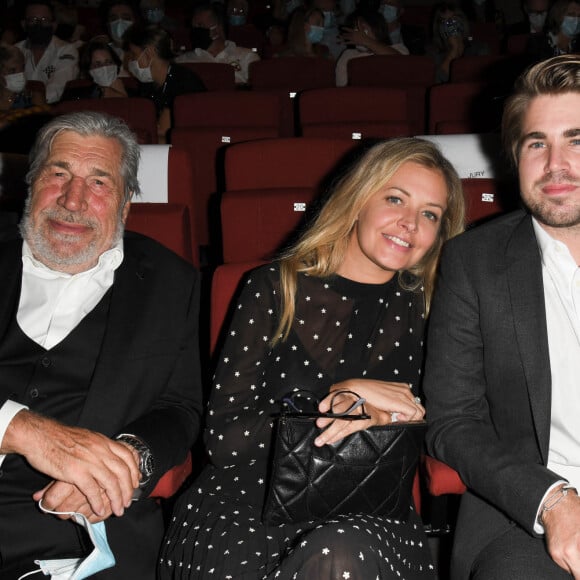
89 124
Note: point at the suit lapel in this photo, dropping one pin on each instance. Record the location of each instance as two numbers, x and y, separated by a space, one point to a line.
529 311
127 304
11 276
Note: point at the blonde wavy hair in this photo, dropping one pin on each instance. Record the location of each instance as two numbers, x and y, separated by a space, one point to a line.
321 249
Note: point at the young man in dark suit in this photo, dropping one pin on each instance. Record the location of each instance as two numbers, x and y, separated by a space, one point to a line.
501 377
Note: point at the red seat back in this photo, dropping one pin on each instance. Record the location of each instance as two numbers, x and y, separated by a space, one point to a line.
167 223
300 162
216 76
226 109
258 222
354 112
487 197
413 73
292 74
139 113
224 285
452 102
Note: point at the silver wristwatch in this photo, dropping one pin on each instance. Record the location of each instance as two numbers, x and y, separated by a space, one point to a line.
146 460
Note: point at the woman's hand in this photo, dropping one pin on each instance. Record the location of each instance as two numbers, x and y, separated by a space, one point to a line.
386 402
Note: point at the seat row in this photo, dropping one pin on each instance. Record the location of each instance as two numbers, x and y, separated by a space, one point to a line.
205 124
264 189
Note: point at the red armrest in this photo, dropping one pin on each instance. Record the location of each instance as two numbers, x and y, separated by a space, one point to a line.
417 493
442 479
172 480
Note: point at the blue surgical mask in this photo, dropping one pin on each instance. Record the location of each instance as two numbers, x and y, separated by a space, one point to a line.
570 25
155 15
237 19
118 27
329 19
99 559
315 34
390 13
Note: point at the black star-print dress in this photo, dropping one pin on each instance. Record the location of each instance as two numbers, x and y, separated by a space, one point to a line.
342 330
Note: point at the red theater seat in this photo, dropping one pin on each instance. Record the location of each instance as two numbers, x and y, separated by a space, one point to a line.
354 113
139 113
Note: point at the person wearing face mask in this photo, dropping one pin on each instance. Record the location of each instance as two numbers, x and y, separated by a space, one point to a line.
47 58
210 44
365 33
333 18
150 60
305 34
451 39
16 99
240 28
117 17
562 32
153 13
99 63
535 14
403 37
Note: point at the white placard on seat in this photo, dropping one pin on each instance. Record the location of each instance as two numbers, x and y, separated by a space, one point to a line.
153 174
472 155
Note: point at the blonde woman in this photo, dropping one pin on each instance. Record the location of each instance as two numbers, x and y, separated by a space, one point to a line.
343 308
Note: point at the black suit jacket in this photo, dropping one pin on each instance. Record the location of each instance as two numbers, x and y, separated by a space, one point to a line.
147 378
487 380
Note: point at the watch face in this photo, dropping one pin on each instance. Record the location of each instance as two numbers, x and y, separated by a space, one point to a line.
146 465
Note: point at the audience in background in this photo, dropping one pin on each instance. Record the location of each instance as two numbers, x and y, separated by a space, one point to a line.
23 108
333 18
305 34
237 12
47 58
365 33
410 36
535 16
118 16
67 24
150 60
100 63
16 99
210 45
153 13
562 30
451 39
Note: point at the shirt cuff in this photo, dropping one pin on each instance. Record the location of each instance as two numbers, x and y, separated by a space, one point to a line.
538 527
7 412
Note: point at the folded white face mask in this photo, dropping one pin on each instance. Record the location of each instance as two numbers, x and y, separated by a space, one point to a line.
99 559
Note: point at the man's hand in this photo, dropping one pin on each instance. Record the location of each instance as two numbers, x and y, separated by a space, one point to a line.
104 471
562 527
59 496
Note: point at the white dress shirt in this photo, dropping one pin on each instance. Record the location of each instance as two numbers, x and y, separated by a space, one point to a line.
53 303
57 66
561 276
237 56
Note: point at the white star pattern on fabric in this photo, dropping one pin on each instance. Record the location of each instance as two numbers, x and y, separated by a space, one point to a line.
326 344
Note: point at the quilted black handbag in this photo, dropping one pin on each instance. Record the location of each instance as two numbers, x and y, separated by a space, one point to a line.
368 472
